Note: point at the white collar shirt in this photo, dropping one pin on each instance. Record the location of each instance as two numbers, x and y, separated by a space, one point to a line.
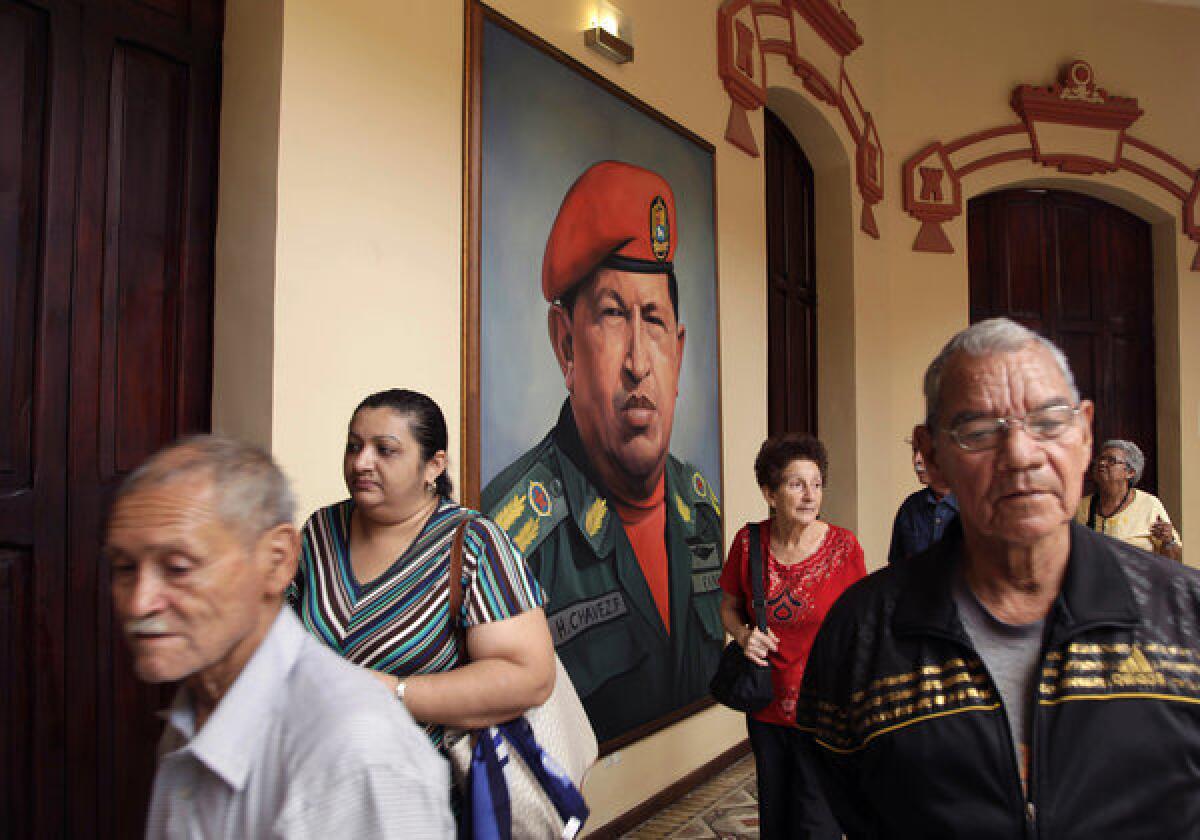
303 745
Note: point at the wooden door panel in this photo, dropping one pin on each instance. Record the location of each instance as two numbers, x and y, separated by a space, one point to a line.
980 261
38 154
141 350
23 60
1090 265
791 284
1021 234
1071 247
18 661
178 26
802 401
1083 351
138 369
178 9
776 209
147 142
1133 400
1128 303
23 67
799 222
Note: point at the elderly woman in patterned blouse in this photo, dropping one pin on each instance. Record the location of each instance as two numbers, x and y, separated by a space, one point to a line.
1120 510
807 564
373 582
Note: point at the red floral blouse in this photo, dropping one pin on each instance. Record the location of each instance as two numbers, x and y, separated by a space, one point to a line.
798 597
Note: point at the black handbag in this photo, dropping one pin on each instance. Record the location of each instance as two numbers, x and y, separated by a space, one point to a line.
739 683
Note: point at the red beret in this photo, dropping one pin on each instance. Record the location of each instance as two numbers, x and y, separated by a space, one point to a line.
615 215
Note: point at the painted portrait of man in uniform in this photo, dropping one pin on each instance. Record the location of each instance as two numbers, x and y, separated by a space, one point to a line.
598 416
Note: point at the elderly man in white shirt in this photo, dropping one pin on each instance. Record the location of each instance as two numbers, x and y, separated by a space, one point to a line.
271 734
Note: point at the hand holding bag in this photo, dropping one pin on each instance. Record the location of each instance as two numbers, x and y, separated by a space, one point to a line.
522 778
739 683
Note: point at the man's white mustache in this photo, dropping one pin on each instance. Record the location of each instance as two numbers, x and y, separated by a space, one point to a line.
151 625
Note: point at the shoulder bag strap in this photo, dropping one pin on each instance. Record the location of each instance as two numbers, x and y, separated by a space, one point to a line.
456 590
756 576
1092 507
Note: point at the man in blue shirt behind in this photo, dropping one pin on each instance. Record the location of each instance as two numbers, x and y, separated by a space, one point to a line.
923 516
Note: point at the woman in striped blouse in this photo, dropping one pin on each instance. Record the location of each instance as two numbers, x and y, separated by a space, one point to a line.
373 581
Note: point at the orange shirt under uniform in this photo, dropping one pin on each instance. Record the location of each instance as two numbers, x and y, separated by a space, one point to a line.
646 527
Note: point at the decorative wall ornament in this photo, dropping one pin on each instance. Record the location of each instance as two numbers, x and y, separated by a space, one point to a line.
814 36
1073 126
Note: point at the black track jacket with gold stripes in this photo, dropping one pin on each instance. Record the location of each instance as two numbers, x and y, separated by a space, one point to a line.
912 739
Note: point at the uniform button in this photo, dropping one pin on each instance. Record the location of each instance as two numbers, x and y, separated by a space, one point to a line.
556 487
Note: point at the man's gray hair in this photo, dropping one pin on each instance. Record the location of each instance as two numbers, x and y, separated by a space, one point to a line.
1133 456
252 494
995 335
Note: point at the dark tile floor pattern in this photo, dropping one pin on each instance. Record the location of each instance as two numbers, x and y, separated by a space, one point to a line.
724 807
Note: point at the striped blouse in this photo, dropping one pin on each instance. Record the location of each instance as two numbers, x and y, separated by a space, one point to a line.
399 622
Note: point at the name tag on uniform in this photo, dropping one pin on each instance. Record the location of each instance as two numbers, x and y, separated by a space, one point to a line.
706 581
568 623
704 556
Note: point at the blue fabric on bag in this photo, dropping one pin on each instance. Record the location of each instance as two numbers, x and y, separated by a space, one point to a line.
489 809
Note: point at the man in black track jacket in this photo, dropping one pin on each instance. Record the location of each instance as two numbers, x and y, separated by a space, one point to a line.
1024 677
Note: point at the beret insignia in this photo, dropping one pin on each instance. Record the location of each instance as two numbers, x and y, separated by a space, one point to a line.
660 229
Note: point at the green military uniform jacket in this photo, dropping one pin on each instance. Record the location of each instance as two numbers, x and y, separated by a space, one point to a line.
627 668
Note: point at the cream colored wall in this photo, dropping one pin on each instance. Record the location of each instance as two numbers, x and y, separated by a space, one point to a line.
368 288
338 254
244 297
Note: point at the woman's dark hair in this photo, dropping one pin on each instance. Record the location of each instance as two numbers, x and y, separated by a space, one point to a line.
777 452
426 421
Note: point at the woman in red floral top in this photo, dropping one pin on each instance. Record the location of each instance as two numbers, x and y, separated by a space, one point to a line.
808 564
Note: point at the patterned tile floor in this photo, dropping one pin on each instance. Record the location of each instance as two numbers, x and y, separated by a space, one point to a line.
724 807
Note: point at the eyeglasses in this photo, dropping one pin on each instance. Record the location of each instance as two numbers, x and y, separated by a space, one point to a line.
982 433
1109 461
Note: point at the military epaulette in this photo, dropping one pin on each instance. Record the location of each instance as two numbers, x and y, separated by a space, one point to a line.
700 489
529 511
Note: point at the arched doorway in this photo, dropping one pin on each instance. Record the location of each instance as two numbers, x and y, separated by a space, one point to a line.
791 284
1079 271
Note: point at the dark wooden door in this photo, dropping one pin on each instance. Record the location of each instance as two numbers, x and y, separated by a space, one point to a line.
791 285
108 114
1080 272
38 153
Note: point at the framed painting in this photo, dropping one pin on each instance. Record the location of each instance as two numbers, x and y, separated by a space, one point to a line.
591 376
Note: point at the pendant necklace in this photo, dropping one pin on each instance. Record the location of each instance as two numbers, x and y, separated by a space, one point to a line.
1104 518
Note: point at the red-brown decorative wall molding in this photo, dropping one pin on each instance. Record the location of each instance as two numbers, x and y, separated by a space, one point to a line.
1074 126
814 36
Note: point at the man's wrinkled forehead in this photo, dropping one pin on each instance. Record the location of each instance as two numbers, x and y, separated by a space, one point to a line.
630 287
1003 382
